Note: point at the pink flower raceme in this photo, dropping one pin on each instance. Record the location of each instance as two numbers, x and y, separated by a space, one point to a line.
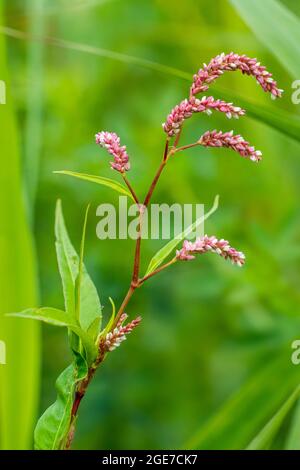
228 139
186 108
212 244
111 142
118 335
232 62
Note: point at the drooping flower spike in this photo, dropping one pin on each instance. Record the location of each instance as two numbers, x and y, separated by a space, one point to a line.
118 335
232 62
111 142
210 244
228 139
186 108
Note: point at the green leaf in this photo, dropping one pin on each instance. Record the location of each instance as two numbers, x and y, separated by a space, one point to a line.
265 437
53 426
94 328
57 317
115 185
68 261
282 40
80 268
20 377
162 254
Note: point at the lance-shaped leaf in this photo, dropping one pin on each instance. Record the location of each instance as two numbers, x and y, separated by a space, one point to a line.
162 254
115 185
81 298
53 426
57 317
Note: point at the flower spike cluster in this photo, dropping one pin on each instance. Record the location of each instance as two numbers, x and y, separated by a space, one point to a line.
232 62
111 142
212 244
229 140
186 108
205 77
115 337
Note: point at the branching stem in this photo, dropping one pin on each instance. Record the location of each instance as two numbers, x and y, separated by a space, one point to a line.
136 282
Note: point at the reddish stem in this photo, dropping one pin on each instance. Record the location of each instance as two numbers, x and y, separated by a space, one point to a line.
156 271
130 188
135 283
184 147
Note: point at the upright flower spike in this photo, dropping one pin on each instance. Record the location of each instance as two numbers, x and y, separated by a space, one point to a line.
229 140
186 108
212 244
111 142
232 62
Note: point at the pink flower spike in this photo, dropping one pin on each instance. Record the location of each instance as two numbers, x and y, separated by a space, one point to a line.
205 244
229 140
111 142
186 108
114 338
232 62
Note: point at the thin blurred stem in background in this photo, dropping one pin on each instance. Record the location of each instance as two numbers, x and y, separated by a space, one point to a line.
34 116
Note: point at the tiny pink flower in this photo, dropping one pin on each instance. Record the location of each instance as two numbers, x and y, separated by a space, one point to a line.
186 108
232 62
118 335
206 244
111 142
228 139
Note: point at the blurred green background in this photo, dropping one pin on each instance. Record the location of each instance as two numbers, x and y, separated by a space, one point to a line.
210 363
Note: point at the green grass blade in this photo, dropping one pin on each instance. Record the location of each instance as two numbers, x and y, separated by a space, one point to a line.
283 121
253 404
265 437
19 378
115 185
276 27
293 438
166 250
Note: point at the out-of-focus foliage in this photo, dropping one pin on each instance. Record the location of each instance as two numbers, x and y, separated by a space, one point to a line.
211 363
19 378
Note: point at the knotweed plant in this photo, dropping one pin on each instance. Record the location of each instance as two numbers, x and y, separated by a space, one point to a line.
90 342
